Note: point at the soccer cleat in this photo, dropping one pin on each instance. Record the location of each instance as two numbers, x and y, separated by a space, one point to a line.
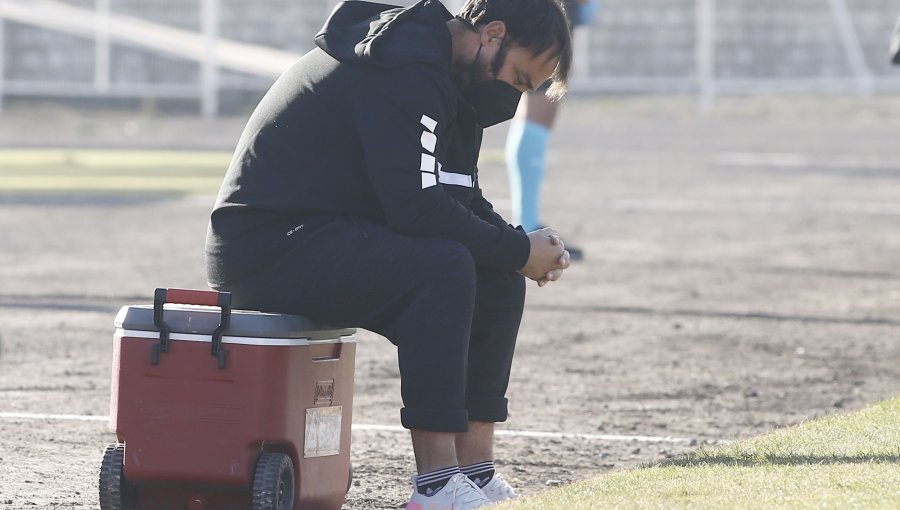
575 254
498 489
460 493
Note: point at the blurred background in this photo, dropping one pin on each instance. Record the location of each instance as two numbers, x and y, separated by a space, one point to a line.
217 57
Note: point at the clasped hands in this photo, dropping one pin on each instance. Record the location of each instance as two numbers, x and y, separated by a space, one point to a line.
548 257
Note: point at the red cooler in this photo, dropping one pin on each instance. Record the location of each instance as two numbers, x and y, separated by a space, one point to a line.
216 408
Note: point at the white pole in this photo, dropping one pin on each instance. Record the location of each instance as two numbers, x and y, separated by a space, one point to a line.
102 46
2 60
705 54
210 79
895 42
852 47
581 58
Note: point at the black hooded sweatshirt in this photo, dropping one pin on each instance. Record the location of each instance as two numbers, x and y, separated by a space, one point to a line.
369 124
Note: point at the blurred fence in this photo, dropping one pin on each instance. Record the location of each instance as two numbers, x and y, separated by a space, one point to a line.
174 48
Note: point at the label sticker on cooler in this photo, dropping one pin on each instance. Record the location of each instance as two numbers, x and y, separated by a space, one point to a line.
323 431
324 392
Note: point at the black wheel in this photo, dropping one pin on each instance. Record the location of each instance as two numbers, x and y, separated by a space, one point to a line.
115 491
273 482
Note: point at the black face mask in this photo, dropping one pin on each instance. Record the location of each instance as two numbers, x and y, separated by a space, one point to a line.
494 101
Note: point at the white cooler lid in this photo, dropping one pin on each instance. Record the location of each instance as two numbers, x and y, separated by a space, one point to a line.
194 319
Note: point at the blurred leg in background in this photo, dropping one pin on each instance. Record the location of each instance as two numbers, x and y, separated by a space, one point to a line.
529 137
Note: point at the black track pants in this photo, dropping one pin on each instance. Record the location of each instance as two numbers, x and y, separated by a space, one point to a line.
454 324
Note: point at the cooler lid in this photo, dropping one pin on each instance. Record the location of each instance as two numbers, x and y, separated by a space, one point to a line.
244 323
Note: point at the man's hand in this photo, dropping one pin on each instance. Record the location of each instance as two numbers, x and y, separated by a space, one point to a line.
548 257
563 261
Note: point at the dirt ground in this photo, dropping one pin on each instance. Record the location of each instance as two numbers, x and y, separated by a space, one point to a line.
741 275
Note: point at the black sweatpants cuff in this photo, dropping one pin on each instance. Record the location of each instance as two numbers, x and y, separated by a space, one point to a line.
435 420
488 409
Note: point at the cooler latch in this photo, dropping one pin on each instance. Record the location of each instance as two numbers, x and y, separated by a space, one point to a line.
191 297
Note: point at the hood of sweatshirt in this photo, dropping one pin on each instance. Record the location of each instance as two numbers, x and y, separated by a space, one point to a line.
387 35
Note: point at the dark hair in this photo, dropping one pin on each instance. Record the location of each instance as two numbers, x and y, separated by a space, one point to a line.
537 25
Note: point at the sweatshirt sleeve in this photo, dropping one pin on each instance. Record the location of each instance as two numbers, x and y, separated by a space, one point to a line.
485 210
400 133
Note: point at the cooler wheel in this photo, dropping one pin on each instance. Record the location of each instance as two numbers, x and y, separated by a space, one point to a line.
273 482
350 478
115 491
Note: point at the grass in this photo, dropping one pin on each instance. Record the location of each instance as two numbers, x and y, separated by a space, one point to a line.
843 461
122 171
65 170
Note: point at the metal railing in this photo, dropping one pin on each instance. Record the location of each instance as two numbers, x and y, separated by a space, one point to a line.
199 48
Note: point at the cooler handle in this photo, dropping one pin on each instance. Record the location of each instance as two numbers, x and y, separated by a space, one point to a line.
191 297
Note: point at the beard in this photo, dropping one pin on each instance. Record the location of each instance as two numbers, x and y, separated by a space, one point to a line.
478 71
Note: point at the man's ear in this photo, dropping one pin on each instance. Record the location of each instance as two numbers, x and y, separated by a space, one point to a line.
493 30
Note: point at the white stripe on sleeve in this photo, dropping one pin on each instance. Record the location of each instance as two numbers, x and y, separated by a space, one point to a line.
456 179
429 141
427 163
428 180
429 123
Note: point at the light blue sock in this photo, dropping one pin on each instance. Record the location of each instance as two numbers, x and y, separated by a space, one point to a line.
526 153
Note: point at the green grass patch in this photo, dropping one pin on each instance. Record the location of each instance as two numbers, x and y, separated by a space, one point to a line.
134 171
843 461
122 171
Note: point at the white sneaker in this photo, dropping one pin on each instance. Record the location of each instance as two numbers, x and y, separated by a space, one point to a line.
498 489
460 493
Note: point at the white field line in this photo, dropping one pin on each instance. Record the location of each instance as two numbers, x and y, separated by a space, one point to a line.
798 160
757 206
395 428
789 160
57 417
551 435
